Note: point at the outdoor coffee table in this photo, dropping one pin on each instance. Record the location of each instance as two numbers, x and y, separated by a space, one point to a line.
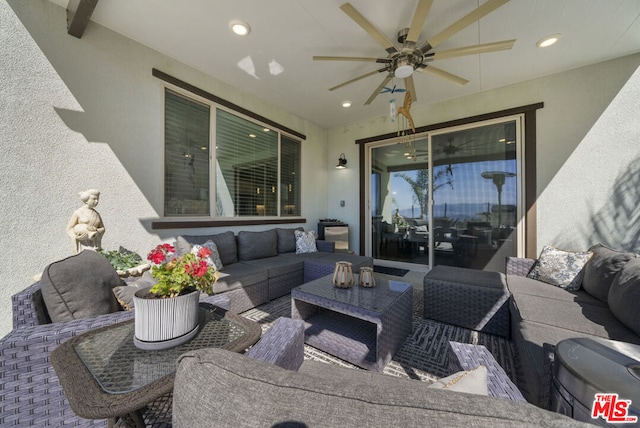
364 326
105 376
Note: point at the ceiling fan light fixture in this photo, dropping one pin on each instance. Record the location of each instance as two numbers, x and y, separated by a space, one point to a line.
240 28
548 40
404 69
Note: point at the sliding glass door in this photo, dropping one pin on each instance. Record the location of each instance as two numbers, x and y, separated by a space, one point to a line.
449 197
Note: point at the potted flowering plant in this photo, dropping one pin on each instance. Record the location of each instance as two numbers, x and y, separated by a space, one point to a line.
182 274
166 314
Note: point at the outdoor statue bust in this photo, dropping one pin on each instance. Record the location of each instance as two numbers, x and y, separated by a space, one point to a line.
85 226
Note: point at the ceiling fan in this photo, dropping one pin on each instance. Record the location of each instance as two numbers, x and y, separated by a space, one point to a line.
402 62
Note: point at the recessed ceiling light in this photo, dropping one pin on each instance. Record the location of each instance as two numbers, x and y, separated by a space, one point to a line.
548 41
266 129
252 135
240 28
346 104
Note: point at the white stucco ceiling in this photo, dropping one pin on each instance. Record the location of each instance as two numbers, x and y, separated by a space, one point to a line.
287 33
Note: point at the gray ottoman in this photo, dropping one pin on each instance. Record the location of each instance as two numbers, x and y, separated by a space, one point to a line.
474 299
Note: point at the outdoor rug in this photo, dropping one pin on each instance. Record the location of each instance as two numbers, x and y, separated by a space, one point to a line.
390 270
423 355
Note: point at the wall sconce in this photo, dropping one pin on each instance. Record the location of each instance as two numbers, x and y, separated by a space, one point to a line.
342 162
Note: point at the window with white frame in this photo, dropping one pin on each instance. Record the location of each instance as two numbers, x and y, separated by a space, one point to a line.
222 165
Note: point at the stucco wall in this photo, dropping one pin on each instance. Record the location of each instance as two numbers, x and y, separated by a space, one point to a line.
87 113
588 152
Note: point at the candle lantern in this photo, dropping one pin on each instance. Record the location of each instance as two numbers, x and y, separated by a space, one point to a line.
366 277
343 275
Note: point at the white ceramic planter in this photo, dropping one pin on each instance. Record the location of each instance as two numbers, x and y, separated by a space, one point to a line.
165 323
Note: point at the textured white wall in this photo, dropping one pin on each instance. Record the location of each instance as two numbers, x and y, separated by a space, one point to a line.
81 113
588 152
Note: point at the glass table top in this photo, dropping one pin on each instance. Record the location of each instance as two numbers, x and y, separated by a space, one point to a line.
375 298
120 367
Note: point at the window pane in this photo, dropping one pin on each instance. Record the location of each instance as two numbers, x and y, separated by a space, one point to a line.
475 196
247 168
186 187
289 177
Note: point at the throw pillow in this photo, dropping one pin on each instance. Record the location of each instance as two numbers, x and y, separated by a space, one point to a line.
257 245
79 286
214 257
560 268
305 242
602 269
226 242
181 246
624 295
287 239
124 294
470 381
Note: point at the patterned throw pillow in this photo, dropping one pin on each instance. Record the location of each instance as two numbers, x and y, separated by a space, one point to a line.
214 257
560 268
305 242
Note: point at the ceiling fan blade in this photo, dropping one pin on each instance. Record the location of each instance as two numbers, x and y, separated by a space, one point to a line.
368 27
443 75
476 49
351 58
419 17
462 23
371 73
378 89
409 86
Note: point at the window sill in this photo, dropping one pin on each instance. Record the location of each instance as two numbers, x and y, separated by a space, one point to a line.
189 224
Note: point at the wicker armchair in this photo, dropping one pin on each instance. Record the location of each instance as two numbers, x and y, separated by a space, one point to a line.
31 394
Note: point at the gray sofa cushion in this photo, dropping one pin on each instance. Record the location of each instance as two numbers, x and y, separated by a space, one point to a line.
238 275
471 381
79 286
226 243
257 245
287 240
278 266
238 391
624 295
602 268
584 318
523 285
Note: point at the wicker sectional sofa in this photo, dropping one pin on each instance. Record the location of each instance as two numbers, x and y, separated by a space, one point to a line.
542 314
237 391
262 266
252 274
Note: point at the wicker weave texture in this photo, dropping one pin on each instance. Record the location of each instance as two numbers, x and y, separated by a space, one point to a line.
28 307
349 330
245 298
465 356
518 266
458 301
314 269
281 285
282 344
